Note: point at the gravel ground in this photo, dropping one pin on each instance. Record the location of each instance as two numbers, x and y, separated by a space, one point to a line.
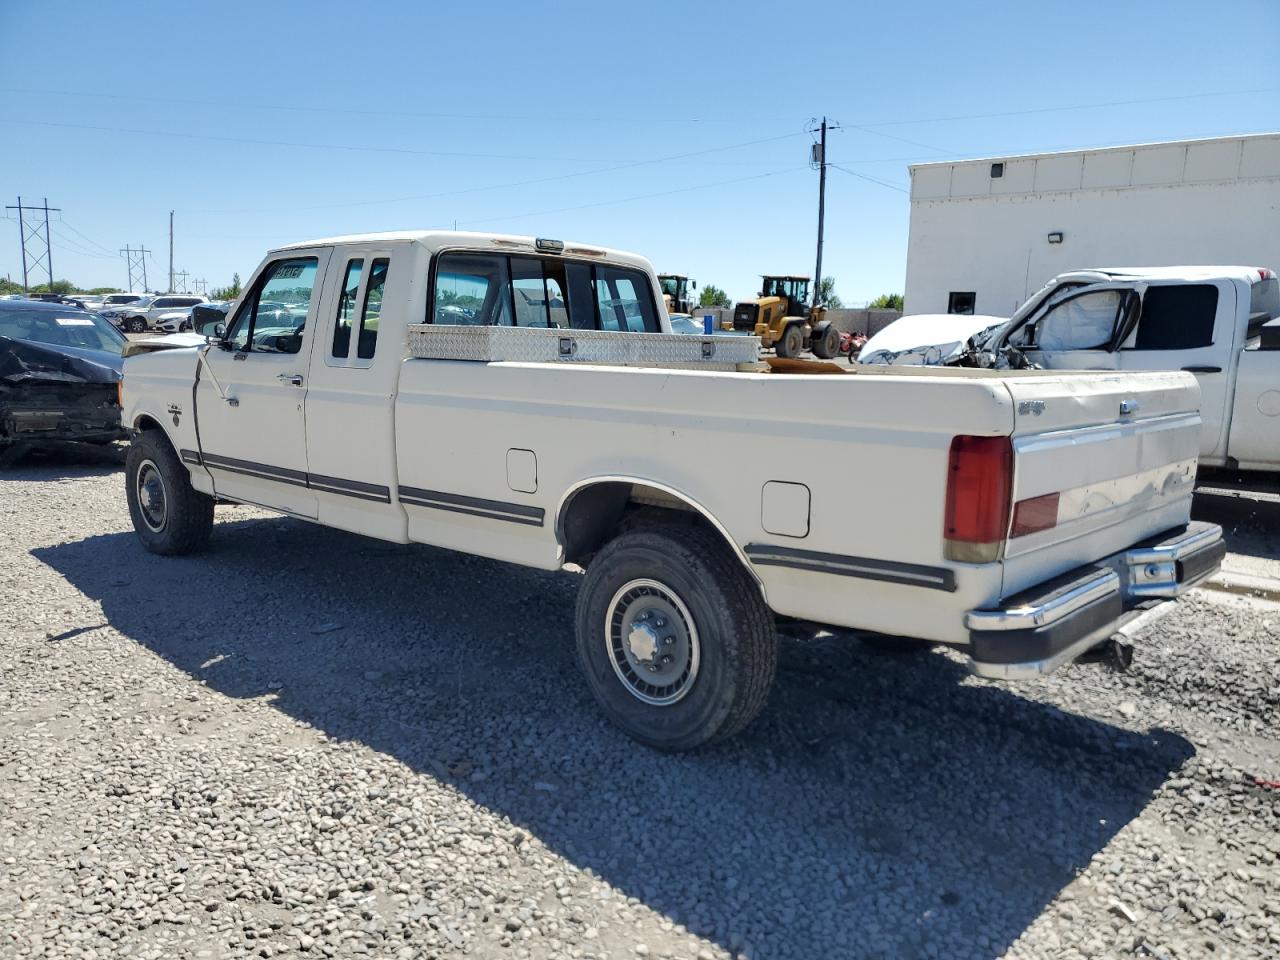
308 744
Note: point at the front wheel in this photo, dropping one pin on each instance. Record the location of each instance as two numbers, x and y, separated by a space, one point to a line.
792 341
137 325
169 515
826 341
674 637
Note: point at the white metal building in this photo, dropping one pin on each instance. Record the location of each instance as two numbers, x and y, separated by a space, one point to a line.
987 233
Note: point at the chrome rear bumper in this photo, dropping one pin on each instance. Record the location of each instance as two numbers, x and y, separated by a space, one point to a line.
1038 630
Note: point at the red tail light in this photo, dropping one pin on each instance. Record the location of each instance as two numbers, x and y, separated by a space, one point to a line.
979 488
1034 515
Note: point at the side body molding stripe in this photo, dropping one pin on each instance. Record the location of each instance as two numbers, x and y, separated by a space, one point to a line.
933 578
475 506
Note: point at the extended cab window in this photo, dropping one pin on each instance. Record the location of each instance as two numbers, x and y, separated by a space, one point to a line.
1177 317
347 308
493 289
367 342
273 317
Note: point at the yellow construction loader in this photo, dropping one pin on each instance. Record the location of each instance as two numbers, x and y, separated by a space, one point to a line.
783 320
677 292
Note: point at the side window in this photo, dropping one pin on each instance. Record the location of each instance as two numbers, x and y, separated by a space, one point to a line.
163 302
962 302
1177 317
1085 322
372 311
529 291
471 289
625 301
273 317
347 308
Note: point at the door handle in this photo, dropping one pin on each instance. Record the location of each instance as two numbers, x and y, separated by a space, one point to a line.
294 378
1194 369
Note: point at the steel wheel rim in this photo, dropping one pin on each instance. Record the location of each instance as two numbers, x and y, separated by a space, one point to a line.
652 642
153 499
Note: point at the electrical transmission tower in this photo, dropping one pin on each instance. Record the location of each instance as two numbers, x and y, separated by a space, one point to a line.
36 250
180 277
202 286
137 266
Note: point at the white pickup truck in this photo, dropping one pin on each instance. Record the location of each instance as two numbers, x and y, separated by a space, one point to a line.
1016 515
1220 323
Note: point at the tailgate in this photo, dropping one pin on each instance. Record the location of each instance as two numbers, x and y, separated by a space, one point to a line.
1101 462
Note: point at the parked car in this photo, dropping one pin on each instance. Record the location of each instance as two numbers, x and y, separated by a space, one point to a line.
114 302
174 321
1014 515
91 302
926 338
142 315
1219 323
59 375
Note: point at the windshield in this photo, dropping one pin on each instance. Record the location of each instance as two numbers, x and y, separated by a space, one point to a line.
671 286
69 328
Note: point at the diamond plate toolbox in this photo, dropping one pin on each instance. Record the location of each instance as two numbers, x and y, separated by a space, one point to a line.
430 341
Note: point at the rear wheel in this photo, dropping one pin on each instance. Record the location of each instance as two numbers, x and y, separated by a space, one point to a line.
169 515
792 342
825 341
674 637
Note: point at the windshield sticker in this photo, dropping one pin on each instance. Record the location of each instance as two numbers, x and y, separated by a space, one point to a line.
73 321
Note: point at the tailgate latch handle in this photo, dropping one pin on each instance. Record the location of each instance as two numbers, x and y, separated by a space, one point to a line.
1128 407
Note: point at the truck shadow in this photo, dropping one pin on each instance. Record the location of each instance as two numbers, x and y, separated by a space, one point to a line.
1249 520
874 788
60 461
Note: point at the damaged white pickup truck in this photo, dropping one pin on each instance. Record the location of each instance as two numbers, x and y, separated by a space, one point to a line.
524 400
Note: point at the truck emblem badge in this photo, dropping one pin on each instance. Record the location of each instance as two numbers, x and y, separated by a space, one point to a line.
176 411
1032 407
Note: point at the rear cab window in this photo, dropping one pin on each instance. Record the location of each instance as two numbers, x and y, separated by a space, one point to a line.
355 328
488 289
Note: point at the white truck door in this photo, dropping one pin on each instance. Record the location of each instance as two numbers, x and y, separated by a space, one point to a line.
1193 327
251 392
355 363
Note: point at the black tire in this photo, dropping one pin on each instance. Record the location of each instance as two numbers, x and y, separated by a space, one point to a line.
183 519
825 341
732 632
137 325
792 342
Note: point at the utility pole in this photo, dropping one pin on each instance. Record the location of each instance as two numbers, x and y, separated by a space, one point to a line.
184 276
820 158
171 251
31 240
137 260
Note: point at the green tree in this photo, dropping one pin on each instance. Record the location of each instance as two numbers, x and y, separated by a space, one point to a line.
713 296
887 301
58 286
827 294
228 293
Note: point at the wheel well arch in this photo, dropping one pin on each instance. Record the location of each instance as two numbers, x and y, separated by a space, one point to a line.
144 421
596 509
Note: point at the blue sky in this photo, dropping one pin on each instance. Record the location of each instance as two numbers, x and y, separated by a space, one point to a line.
676 130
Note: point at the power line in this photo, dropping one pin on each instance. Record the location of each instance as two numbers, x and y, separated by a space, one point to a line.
644 196
420 114
863 176
521 183
1075 106
74 246
89 240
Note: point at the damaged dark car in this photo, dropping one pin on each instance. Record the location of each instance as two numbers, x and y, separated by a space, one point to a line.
60 371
